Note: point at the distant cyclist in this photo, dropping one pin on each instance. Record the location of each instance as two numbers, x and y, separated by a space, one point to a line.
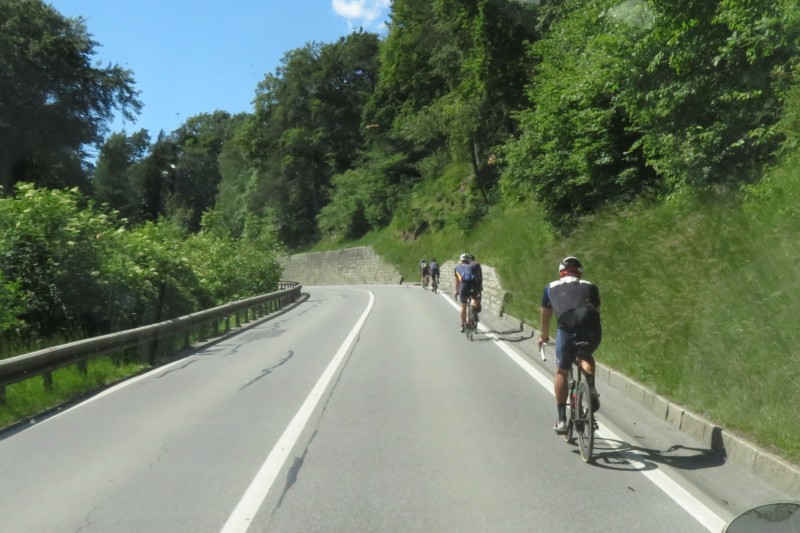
576 304
466 285
478 292
424 271
434 268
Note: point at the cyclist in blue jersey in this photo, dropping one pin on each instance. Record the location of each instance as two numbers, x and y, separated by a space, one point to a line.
467 285
576 304
434 268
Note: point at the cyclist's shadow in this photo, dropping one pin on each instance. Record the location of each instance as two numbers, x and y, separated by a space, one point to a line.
509 335
620 455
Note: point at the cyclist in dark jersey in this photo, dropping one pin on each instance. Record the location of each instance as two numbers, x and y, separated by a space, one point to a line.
424 271
576 304
434 267
466 284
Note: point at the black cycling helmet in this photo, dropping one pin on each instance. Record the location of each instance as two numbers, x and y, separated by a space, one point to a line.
471 257
570 264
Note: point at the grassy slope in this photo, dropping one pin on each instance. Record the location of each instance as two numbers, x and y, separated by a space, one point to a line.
698 294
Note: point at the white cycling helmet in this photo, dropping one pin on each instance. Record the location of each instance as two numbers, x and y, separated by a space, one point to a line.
570 263
464 257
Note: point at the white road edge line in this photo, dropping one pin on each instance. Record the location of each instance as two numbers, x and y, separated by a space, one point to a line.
709 519
242 516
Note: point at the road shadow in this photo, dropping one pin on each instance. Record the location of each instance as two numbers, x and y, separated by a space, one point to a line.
508 335
620 455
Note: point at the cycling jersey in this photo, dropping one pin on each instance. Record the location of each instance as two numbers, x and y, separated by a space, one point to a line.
570 293
576 304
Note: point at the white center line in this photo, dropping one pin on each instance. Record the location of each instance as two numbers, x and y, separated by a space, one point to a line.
251 501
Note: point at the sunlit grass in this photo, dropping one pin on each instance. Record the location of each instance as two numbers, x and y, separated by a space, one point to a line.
29 398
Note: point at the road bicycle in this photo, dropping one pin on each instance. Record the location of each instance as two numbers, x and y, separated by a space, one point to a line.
580 415
434 284
472 320
425 280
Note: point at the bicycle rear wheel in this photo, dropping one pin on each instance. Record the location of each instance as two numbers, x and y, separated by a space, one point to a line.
570 428
570 412
470 329
584 423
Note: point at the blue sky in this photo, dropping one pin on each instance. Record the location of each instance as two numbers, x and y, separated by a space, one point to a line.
197 56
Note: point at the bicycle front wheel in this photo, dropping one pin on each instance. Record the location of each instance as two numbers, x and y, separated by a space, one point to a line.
584 423
470 329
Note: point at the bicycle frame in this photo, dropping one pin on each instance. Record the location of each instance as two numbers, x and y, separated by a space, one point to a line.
471 326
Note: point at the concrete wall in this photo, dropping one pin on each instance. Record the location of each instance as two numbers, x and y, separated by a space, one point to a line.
362 266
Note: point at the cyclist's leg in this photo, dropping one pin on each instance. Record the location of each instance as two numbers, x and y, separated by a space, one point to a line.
463 297
564 359
588 363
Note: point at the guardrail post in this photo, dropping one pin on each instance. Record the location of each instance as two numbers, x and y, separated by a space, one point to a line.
47 379
147 352
83 367
2 394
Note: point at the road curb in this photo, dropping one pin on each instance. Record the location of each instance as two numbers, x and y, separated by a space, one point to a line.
760 462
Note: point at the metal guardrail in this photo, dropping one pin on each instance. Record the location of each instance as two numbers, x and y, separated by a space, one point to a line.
154 342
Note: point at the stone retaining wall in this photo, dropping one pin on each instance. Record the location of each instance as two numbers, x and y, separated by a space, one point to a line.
349 266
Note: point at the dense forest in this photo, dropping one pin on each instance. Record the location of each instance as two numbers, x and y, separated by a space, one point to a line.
575 105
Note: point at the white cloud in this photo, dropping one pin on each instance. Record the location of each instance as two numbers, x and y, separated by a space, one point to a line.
361 12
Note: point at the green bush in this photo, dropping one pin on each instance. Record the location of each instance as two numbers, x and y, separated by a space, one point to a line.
51 247
76 271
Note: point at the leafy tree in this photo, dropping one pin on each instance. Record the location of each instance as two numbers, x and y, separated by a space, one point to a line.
452 74
112 178
708 90
52 249
233 268
237 175
487 59
199 143
650 95
54 102
577 150
10 307
363 199
408 81
306 128
153 181
156 277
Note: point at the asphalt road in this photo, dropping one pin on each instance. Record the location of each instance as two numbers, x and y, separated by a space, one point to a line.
360 409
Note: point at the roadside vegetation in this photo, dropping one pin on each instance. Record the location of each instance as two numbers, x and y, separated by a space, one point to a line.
655 139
